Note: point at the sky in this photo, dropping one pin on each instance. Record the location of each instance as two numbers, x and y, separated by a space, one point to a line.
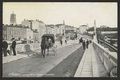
73 13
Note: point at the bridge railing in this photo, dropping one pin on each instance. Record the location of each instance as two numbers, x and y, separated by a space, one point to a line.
114 48
33 46
109 59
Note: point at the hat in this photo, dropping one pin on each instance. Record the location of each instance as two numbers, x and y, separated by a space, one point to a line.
12 38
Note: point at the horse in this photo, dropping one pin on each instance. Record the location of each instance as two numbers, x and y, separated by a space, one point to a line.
43 46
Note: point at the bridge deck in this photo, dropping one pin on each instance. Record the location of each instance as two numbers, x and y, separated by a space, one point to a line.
90 65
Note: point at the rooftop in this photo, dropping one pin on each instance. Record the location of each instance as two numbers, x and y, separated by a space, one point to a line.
17 26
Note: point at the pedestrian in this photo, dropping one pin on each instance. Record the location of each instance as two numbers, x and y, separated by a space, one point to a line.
43 47
66 41
4 47
80 40
83 44
90 41
87 44
14 46
61 42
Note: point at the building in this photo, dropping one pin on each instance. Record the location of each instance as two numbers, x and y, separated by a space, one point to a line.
61 28
29 34
69 31
69 28
83 28
35 36
50 29
26 23
61 31
14 31
20 32
35 24
77 30
13 19
41 30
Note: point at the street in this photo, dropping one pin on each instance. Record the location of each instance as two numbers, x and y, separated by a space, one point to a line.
35 66
68 66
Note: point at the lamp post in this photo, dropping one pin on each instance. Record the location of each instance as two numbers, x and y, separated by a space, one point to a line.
95 36
64 29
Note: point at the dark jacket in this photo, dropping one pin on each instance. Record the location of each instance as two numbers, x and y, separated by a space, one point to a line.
43 44
81 40
4 45
13 44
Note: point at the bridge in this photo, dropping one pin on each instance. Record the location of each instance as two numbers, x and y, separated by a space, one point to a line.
70 61
98 61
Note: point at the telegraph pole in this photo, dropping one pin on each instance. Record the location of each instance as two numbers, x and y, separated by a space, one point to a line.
64 29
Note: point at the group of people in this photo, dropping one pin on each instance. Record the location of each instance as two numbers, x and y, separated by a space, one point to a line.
61 42
12 48
85 44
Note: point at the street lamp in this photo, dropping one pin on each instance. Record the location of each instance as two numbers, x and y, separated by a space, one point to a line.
95 36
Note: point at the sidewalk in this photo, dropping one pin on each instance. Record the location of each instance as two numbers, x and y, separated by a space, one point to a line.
90 65
20 56
12 58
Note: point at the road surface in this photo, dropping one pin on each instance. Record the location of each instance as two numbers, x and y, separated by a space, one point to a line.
35 66
67 67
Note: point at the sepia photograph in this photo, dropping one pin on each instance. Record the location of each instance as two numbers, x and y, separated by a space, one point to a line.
59 39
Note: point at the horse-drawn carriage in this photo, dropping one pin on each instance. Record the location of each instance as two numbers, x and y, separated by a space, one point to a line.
47 42
49 37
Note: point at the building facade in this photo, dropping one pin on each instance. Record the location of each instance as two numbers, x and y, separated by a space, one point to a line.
35 36
25 23
35 24
61 28
19 32
14 31
50 29
83 28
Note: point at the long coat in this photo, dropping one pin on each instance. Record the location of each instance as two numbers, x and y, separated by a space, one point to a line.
44 44
4 45
13 44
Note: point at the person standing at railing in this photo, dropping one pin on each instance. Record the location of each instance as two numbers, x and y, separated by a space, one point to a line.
14 46
4 47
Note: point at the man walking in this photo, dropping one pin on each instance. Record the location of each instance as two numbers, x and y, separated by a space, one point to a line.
14 46
87 44
83 44
80 40
66 41
61 42
4 47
